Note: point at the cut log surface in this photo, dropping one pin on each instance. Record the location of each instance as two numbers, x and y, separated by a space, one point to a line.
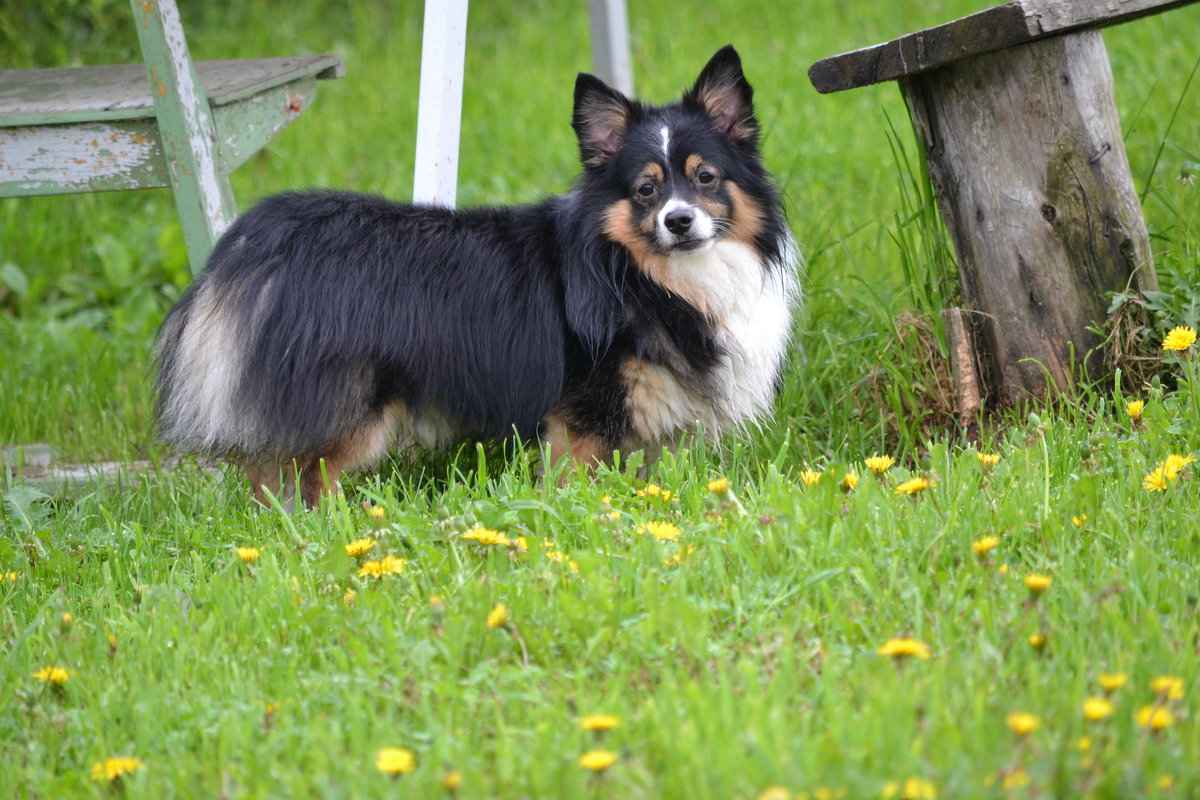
1025 153
997 28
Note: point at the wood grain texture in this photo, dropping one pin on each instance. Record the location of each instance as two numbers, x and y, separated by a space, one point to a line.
996 28
1025 153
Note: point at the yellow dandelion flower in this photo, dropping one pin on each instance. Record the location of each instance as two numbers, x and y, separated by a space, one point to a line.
984 545
114 769
663 531
904 648
988 460
849 482
248 555
1037 641
879 464
1155 480
1084 744
1002 569
599 722
360 547
1036 584
913 485
11 577
391 565
1097 708
1078 520
370 569
1015 779
1156 718
451 780
1165 782
376 513
486 536
718 486
1022 723
520 543
67 618
1168 686
395 761
909 789
1174 464
679 555
1112 681
53 675
810 477
498 616
775 792
1134 409
655 492
598 760
348 597
1179 339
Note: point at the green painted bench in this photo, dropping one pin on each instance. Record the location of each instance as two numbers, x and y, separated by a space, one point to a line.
169 122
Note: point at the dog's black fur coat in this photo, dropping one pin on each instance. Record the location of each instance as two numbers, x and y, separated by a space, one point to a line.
323 309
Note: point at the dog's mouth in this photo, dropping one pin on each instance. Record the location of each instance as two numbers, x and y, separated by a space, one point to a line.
693 245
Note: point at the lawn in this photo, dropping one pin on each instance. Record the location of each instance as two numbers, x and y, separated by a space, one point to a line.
727 603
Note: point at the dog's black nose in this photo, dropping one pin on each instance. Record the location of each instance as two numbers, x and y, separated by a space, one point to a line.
679 221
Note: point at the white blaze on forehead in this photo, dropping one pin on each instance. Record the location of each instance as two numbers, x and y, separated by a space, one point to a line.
666 137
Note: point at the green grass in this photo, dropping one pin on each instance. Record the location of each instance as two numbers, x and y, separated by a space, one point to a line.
750 662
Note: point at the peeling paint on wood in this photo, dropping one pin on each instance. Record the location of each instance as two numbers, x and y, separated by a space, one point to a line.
96 157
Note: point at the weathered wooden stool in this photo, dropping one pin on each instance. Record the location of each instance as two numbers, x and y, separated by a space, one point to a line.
1014 109
168 122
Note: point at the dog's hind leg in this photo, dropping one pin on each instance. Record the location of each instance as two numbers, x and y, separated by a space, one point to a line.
562 440
363 446
264 477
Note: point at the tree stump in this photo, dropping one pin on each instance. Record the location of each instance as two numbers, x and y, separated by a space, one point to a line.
1015 111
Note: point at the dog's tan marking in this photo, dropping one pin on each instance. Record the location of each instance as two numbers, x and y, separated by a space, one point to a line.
691 167
749 218
658 404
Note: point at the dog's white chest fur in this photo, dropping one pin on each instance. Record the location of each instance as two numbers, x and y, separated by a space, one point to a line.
751 310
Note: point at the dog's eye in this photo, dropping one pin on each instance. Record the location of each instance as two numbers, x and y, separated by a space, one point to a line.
706 177
646 191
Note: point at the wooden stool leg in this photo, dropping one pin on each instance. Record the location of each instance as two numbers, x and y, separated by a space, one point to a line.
189 137
1025 153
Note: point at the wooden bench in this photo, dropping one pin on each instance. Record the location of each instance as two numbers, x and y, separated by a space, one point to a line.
168 122
1014 109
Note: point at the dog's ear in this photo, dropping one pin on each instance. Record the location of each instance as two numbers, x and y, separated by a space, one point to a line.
724 94
600 120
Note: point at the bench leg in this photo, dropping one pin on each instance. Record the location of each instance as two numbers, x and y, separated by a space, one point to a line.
203 195
1025 153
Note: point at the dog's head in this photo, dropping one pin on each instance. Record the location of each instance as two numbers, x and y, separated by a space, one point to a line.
679 178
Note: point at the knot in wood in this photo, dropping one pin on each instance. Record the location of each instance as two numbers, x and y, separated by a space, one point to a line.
1049 212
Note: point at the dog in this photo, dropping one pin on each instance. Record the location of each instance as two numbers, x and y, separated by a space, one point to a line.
656 295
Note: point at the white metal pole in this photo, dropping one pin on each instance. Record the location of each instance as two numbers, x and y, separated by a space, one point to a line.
610 43
439 110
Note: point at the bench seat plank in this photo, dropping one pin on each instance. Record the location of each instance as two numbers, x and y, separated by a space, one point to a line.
997 28
109 93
